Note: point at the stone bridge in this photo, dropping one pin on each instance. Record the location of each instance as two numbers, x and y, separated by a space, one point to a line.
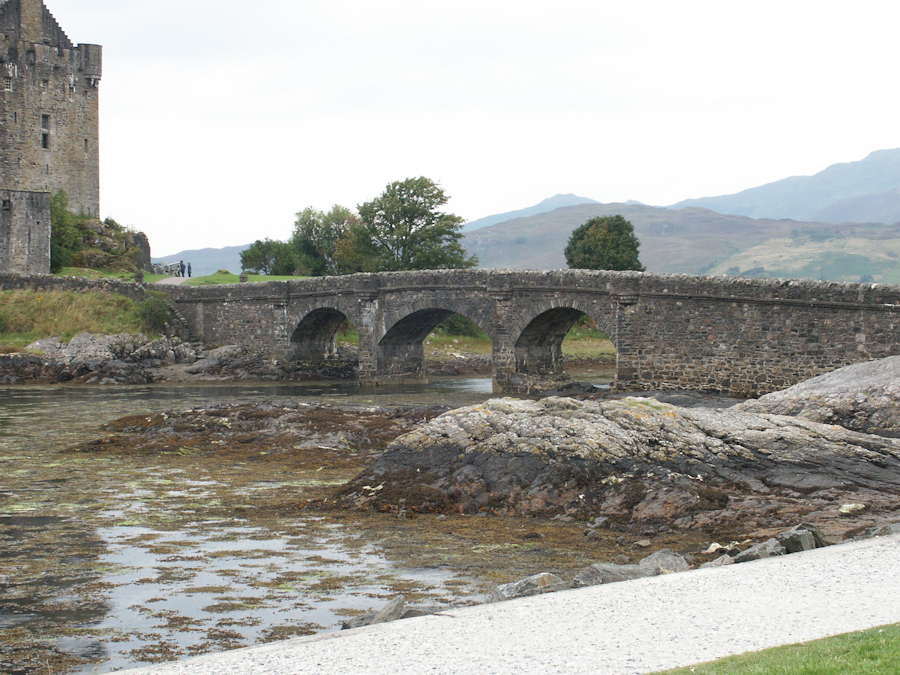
730 334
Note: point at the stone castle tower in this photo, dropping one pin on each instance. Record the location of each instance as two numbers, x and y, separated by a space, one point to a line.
49 129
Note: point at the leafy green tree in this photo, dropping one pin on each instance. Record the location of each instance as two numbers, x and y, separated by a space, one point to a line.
65 236
605 243
268 256
316 237
404 229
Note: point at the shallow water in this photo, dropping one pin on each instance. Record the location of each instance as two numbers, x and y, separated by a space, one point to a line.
106 563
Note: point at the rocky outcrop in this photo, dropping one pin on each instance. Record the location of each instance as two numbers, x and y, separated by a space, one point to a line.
863 397
94 359
635 461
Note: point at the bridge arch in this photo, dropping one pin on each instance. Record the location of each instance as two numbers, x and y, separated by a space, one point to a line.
539 336
400 352
313 339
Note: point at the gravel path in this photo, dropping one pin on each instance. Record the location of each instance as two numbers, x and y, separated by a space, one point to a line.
617 629
172 281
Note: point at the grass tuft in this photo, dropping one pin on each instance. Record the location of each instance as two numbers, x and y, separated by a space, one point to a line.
869 652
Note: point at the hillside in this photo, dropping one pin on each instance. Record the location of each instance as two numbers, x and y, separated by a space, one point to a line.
850 192
699 241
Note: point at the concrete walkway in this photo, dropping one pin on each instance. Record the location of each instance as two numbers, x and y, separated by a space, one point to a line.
617 629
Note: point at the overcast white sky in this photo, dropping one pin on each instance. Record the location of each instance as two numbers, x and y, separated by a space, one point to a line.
221 119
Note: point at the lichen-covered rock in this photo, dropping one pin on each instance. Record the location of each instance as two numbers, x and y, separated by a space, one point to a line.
863 397
664 561
533 585
767 549
630 460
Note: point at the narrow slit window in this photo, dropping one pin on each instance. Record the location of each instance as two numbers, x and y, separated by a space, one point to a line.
45 132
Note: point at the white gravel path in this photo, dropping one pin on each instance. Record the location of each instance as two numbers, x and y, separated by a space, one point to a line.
171 281
617 629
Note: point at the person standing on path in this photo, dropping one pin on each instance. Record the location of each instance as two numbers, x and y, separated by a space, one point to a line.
189 270
181 265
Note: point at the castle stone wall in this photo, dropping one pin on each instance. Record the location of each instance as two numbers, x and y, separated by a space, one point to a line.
25 232
49 107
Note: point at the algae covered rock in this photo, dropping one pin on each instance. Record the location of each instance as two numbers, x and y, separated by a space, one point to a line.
630 460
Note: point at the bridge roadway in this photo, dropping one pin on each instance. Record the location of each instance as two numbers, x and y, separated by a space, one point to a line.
737 335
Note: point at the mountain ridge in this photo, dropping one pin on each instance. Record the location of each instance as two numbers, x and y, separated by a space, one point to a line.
806 198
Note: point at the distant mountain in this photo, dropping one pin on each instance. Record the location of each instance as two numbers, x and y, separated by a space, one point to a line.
700 241
849 192
549 204
882 207
209 260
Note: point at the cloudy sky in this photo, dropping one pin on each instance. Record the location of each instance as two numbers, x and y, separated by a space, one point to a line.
220 120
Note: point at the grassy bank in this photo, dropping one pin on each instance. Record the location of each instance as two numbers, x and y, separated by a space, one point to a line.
26 316
869 652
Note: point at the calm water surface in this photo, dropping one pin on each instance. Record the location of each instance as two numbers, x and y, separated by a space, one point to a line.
112 563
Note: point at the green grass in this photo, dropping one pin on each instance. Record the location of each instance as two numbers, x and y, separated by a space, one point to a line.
105 274
26 316
215 279
869 652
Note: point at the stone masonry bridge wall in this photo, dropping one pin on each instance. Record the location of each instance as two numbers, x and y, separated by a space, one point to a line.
731 334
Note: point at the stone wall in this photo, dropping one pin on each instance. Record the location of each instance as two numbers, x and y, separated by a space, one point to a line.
742 336
21 282
49 107
24 232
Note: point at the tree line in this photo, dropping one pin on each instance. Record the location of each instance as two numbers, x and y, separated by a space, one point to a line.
403 228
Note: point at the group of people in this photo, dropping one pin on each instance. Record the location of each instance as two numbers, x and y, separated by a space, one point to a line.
180 270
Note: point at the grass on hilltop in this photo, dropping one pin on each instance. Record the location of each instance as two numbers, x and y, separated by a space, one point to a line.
869 652
26 316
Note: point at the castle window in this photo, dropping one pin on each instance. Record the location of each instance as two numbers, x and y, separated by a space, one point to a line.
7 83
45 132
7 205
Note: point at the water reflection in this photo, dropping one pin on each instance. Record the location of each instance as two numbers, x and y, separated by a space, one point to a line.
107 565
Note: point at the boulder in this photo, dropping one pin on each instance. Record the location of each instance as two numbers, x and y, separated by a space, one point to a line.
802 537
862 397
533 585
767 549
664 561
609 573
391 611
721 561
